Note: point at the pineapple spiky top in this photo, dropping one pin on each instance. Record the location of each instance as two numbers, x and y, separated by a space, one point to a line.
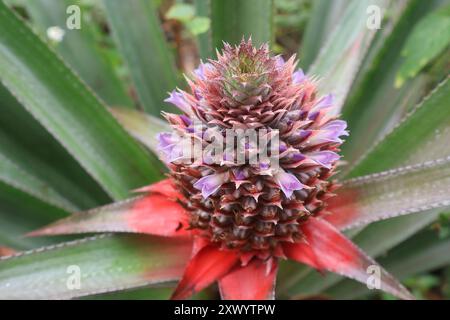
254 204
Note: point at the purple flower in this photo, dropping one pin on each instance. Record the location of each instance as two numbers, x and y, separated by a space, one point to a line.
172 147
297 157
177 99
303 134
279 61
338 125
282 147
166 144
165 139
264 166
324 103
298 76
240 174
330 133
200 71
210 184
324 158
187 121
288 182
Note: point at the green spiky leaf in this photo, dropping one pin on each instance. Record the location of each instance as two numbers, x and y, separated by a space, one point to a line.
69 110
67 270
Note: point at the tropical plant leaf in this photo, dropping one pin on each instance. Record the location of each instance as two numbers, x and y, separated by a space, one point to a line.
35 152
14 161
339 59
423 252
328 249
79 49
11 174
382 236
38 178
390 232
20 212
424 44
392 14
105 263
421 136
234 19
392 236
325 15
376 240
376 105
68 110
145 51
392 193
379 237
141 126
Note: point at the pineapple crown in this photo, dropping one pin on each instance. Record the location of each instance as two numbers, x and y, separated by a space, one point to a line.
256 203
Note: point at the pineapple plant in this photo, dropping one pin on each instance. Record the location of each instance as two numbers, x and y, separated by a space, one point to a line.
356 168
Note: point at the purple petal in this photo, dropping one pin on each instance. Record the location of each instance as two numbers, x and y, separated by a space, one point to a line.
288 183
210 184
282 147
324 136
177 99
170 153
200 71
330 133
279 61
172 148
338 125
240 174
174 153
187 121
165 139
264 166
324 158
325 102
298 157
301 134
298 76
198 94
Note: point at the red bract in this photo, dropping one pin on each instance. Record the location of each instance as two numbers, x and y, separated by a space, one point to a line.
241 275
5 251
